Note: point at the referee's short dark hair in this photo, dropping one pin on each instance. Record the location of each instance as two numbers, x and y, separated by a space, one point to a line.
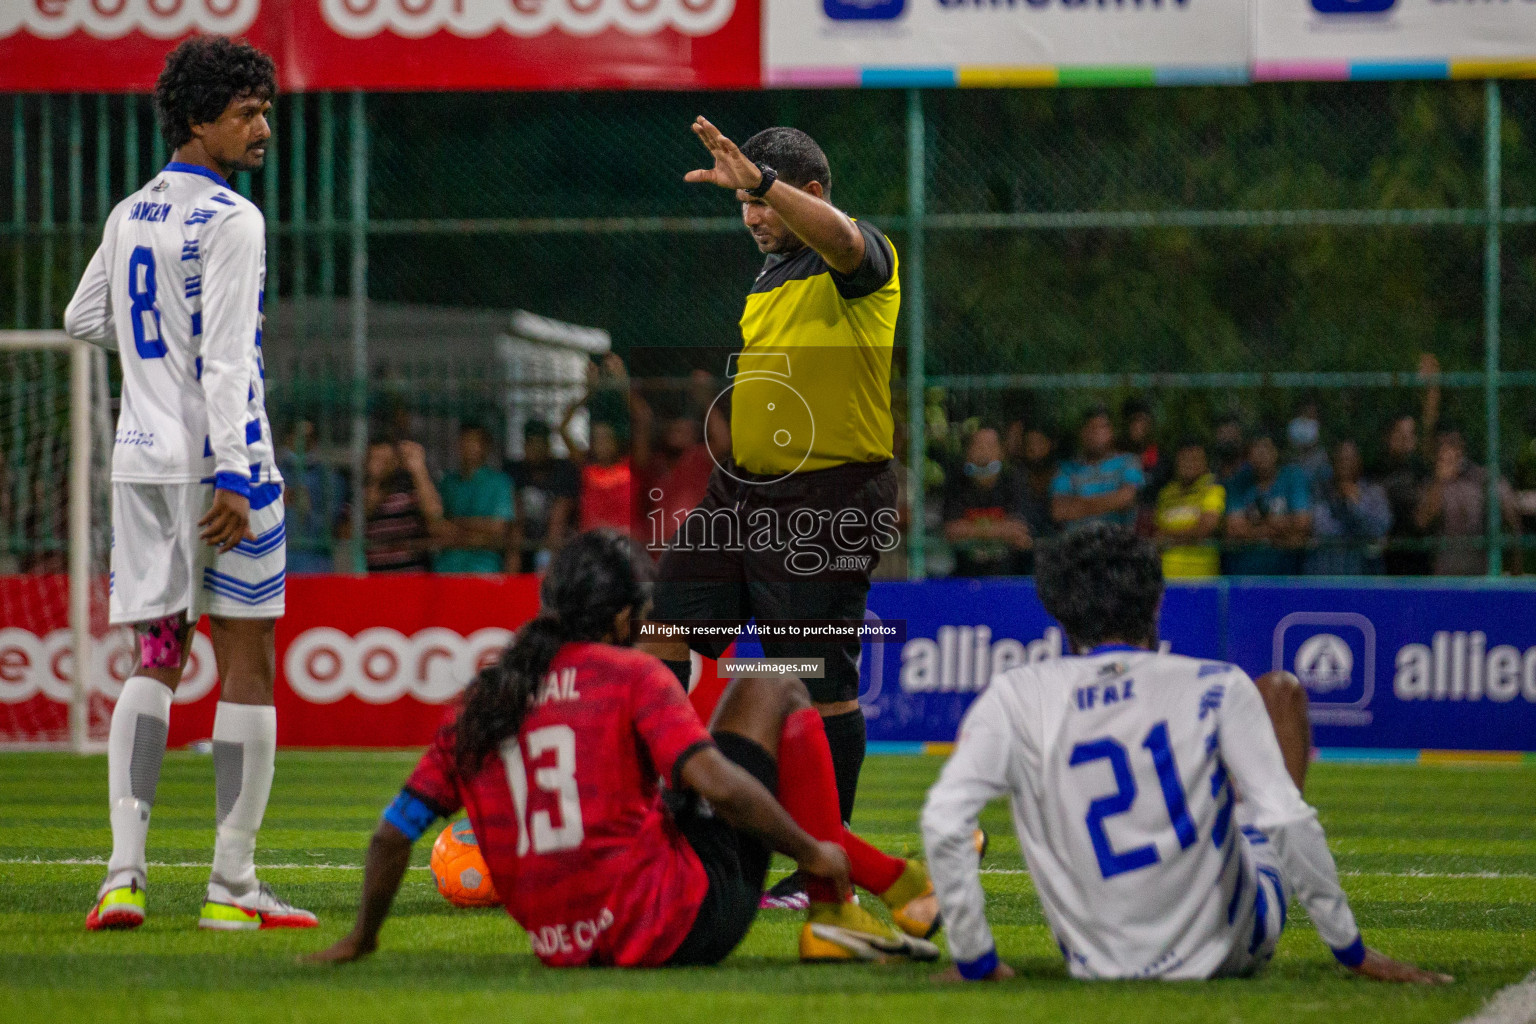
792 154
202 76
1101 582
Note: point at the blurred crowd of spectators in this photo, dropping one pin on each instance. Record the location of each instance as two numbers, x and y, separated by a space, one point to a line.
1237 501
1310 498
627 469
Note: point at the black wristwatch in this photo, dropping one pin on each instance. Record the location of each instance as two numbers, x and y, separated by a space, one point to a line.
769 177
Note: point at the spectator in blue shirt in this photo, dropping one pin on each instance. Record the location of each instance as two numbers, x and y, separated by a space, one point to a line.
477 503
1269 514
1099 486
1350 519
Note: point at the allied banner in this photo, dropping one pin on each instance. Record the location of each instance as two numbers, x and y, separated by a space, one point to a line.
1398 668
1381 39
120 45
1386 667
1030 42
375 661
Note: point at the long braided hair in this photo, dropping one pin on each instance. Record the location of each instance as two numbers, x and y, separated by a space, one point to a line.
592 579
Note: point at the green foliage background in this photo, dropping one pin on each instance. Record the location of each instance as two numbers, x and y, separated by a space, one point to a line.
543 175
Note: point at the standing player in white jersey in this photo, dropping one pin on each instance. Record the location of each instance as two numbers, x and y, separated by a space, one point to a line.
197 509
1157 797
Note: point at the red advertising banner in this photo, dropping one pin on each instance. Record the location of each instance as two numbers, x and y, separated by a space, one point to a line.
319 45
362 661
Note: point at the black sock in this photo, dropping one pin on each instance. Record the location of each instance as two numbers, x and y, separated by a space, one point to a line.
682 669
846 737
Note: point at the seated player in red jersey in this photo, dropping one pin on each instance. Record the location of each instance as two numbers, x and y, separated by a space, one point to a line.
558 756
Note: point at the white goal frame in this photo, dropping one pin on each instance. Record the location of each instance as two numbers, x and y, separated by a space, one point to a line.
81 356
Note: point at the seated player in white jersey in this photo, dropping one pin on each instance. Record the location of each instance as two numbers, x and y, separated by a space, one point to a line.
197 509
1157 798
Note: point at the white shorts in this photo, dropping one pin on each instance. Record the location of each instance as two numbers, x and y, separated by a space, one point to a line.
1264 900
160 565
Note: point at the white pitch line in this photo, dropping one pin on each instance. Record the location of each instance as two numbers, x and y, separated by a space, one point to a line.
99 862
1513 1005
1356 874
1435 874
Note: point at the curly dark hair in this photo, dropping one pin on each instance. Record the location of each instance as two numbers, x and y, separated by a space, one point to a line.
792 154
201 77
1101 582
591 580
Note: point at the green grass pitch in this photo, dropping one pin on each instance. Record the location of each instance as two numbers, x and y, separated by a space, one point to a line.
1440 863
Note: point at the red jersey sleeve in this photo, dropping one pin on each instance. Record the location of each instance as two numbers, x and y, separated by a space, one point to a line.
664 719
435 780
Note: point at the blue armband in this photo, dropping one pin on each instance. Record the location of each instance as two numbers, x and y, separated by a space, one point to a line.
975 970
233 482
1352 955
410 814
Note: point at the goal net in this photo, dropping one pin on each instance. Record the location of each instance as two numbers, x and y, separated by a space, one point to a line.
55 538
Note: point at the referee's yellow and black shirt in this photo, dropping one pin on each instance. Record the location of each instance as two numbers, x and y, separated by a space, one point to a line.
812 385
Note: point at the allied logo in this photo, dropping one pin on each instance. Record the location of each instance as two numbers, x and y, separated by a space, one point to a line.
1352 6
1324 663
1333 654
864 10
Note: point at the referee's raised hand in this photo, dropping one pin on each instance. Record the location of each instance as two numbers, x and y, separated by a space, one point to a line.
732 169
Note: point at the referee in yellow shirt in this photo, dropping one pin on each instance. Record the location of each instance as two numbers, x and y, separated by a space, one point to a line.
794 522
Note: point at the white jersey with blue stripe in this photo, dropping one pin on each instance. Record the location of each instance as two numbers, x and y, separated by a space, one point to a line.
176 288
1122 768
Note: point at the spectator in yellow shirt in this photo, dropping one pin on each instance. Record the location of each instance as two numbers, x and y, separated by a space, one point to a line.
1188 516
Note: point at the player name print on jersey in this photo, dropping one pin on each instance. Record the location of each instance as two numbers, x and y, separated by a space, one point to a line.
152 212
1104 694
558 686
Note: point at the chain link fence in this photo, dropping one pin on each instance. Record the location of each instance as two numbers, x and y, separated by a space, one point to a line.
1212 250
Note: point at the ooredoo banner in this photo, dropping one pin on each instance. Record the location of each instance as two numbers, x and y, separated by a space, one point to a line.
120 45
361 661
1366 39
1030 42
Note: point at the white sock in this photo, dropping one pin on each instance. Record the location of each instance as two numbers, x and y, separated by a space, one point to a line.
135 749
244 747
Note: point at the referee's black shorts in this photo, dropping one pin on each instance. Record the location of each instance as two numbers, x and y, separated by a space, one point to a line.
796 548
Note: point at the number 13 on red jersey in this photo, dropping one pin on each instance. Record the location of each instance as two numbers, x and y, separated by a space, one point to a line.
540 830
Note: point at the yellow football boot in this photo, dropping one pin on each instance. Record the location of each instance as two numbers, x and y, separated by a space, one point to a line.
912 902
118 908
846 931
